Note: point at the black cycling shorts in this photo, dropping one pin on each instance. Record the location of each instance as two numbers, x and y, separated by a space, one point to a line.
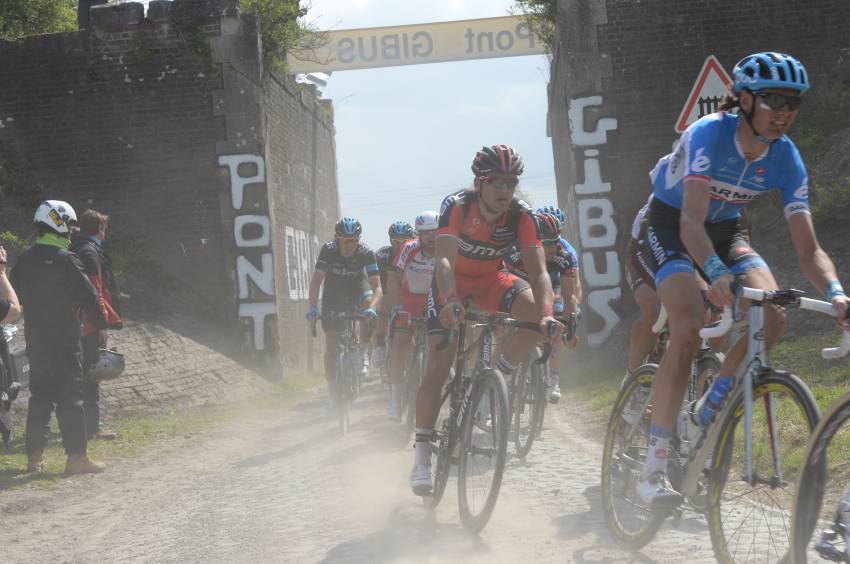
352 299
668 254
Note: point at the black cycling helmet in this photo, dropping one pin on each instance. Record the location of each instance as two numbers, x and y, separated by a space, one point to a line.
401 230
348 227
498 159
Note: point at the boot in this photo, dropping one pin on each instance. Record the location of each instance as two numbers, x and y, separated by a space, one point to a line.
82 464
35 462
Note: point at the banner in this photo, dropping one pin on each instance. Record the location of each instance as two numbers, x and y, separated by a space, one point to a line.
488 38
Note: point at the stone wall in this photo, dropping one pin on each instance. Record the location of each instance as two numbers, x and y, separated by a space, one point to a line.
621 74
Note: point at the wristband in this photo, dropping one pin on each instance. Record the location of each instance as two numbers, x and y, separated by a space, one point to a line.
834 290
714 268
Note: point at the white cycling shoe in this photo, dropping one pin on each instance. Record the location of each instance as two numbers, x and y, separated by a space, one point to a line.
657 491
420 479
554 393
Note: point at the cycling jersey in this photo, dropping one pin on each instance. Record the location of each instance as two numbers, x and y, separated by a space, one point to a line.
344 276
417 272
639 266
565 263
481 245
709 150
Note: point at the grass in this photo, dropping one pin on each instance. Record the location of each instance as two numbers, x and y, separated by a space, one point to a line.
140 434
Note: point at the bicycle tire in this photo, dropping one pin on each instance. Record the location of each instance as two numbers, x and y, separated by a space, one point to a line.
491 385
722 515
812 484
530 400
621 467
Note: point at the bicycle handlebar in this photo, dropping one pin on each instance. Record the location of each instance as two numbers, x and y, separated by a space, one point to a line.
551 329
721 328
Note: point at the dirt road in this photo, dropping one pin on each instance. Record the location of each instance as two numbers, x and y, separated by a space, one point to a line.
283 486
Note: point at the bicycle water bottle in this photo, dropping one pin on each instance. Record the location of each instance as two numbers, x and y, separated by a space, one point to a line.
709 404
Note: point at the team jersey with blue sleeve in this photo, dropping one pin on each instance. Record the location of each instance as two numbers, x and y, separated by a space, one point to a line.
709 150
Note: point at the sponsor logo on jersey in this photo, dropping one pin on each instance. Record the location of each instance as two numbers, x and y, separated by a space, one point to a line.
503 233
760 170
731 195
802 192
479 250
655 245
701 162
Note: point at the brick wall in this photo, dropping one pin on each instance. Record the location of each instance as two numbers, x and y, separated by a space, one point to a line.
633 64
169 124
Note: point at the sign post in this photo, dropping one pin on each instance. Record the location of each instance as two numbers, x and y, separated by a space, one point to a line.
712 84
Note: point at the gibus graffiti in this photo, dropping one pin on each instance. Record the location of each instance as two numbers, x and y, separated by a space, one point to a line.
597 229
301 252
252 238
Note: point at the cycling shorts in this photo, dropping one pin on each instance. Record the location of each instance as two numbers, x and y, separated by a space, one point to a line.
670 256
639 268
411 306
493 293
354 298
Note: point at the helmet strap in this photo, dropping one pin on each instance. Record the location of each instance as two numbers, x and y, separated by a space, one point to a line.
750 117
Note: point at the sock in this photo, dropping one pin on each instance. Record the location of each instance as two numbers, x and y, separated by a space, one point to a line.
656 453
554 378
397 391
423 445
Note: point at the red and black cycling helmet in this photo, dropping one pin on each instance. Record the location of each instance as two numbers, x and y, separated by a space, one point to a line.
497 159
548 226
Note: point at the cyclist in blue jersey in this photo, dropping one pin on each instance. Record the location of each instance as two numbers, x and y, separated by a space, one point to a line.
339 273
721 163
563 268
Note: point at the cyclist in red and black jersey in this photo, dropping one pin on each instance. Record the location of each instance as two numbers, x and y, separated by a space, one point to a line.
477 229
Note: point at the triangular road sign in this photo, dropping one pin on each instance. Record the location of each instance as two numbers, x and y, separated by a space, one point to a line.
711 85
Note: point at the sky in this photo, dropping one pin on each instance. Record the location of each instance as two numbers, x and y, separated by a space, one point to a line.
406 136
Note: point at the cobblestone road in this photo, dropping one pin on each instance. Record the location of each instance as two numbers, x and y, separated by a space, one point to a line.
282 486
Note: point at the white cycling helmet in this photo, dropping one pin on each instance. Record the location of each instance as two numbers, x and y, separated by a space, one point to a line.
427 221
55 215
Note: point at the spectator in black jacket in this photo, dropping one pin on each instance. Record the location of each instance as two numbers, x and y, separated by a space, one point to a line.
10 308
53 287
88 246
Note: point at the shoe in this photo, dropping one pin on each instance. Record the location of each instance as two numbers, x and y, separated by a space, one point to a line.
394 411
103 435
657 491
35 462
420 479
82 464
554 393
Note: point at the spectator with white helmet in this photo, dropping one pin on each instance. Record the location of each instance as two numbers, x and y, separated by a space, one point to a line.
407 290
53 288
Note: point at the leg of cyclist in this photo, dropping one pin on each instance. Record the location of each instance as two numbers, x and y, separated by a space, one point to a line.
642 338
402 343
365 328
681 298
553 392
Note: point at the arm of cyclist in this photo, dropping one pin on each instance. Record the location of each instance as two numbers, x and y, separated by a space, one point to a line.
541 286
390 300
697 196
816 265
569 287
313 297
375 299
444 269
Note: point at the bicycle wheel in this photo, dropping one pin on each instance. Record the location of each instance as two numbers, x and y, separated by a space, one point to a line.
631 522
751 521
816 526
529 404
444 452
484 445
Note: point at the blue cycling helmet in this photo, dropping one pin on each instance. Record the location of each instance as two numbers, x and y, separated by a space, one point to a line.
401 230
770 70
554 210
348 227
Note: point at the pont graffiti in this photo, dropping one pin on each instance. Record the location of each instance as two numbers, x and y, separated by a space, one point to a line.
600 264
254 265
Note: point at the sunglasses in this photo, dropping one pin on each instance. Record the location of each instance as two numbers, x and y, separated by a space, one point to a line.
776 101
509 182
344 240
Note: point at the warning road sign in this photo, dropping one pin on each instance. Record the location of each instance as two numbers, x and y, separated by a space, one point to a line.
712 84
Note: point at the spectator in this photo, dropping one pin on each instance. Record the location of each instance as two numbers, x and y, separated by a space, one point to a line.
88 246
53 287
10 308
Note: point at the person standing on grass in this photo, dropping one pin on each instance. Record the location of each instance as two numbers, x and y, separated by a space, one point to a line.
88 246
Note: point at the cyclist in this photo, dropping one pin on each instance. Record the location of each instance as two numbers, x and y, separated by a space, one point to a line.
407 291
477 229
339 272
399 232
562 266
722 162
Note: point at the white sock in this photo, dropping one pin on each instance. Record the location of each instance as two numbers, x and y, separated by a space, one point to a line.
554 379
397 391
423 445
656 453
